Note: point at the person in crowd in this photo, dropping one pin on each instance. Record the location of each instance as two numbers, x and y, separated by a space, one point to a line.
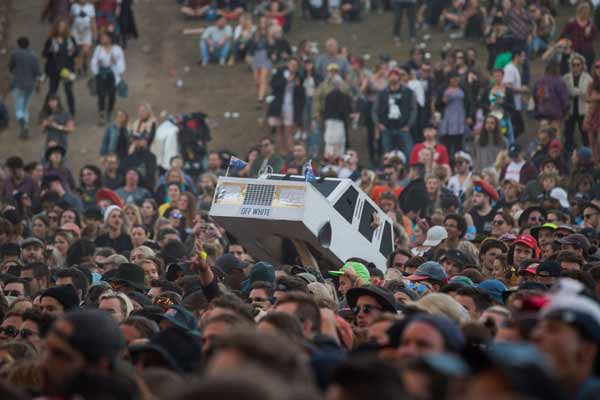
216 42
578 81
116 136
395 112
83 30
285 111
60 52
400 7
582 33
140 158
25 69
57 124
591 123
108 66
551 96
266 158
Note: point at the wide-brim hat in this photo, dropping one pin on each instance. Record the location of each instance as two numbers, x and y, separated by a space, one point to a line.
53 149
383 297
130 274
525 214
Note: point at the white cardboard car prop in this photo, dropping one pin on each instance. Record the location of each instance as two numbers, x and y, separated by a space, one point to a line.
279 217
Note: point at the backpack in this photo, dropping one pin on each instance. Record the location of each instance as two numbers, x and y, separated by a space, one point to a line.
193 137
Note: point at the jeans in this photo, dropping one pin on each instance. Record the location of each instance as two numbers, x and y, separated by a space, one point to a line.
222 52
399 9
68 86
107 89
395 139
570 124
22 99
539 45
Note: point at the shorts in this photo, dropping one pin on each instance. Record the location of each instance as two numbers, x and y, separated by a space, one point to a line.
287 119
82 37
334 137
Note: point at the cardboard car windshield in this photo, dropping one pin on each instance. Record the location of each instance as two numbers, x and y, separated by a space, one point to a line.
274 215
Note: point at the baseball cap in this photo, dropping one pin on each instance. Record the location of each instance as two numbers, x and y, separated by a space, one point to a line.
548 268
462 280
32 241
429 270
456 256
494 288
561 195
569 306
464 155
584 153
182 318
333 66
435 235
531 269
361 271
228 263
514 150
527 240
535 231
577 240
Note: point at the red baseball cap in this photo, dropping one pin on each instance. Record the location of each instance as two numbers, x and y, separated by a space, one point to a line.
528 241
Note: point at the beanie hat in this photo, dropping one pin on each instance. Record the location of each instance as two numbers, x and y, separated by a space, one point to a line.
448 329
108 210
66 295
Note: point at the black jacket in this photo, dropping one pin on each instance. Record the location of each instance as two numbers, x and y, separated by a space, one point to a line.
414 197
278 86
407 103
59 56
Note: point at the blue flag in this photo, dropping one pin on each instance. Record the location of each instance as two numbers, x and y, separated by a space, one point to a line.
309 174
237 164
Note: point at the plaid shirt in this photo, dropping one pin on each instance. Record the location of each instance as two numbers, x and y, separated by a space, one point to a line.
520 23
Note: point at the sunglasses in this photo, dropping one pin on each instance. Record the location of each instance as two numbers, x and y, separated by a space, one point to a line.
9 331
536 219
13 293
498 222
25 333
366 309
420 288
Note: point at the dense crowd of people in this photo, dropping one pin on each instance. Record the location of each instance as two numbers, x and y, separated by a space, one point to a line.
116 283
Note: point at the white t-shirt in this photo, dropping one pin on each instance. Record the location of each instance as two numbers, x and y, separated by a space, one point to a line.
456 187
513 76
513 171
82 16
